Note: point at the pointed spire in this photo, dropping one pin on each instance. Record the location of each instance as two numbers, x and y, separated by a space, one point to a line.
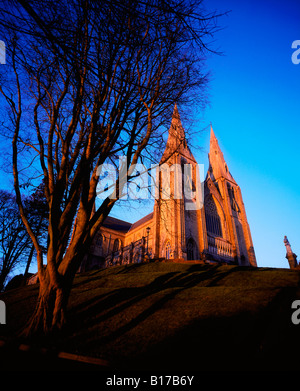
214 145
175 112
217 164
176 139
176 129
212 133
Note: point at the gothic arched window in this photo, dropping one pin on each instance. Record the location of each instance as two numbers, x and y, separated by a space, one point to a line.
117 245
168 250
213 221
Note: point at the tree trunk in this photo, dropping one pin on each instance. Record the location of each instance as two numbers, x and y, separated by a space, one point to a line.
55 287
2 280
28 265
50 311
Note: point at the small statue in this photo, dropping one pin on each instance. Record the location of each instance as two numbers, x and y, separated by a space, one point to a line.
287 245
290 256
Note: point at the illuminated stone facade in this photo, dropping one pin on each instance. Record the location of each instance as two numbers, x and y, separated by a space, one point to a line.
178 229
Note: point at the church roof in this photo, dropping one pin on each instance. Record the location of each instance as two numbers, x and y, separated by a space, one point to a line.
116 224
143 220
124 226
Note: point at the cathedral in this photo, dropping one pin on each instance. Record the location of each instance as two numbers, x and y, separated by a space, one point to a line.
217 231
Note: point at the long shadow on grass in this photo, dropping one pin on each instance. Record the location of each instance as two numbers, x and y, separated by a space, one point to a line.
121 299
266 340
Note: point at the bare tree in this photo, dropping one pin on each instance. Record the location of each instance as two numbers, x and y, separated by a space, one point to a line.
14 239
36 208
88 81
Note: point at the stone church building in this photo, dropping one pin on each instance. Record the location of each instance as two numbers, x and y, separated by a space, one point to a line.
175 230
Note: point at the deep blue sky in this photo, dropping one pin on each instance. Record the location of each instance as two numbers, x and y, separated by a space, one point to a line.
255 103
254 110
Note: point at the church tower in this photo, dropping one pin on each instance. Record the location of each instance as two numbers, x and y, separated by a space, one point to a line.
190 221
178 212
226 221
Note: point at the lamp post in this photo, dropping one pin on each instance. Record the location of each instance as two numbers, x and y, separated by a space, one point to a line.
148 231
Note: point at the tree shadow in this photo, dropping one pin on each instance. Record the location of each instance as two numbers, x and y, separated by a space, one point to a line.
100 308
264 340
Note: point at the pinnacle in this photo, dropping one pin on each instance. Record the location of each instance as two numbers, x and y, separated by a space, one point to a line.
214 145
176 125
212 134
176 112
217 163
176 139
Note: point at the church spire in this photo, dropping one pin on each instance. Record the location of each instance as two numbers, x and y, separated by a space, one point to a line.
175 111
213 137
217 164
176 142
215 148
176 130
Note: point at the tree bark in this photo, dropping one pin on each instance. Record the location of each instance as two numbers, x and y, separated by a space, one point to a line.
50 311
28 264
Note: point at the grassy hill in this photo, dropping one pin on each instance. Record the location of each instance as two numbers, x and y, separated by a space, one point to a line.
176 316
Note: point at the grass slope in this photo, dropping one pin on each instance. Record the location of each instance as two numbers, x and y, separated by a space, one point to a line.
176 316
